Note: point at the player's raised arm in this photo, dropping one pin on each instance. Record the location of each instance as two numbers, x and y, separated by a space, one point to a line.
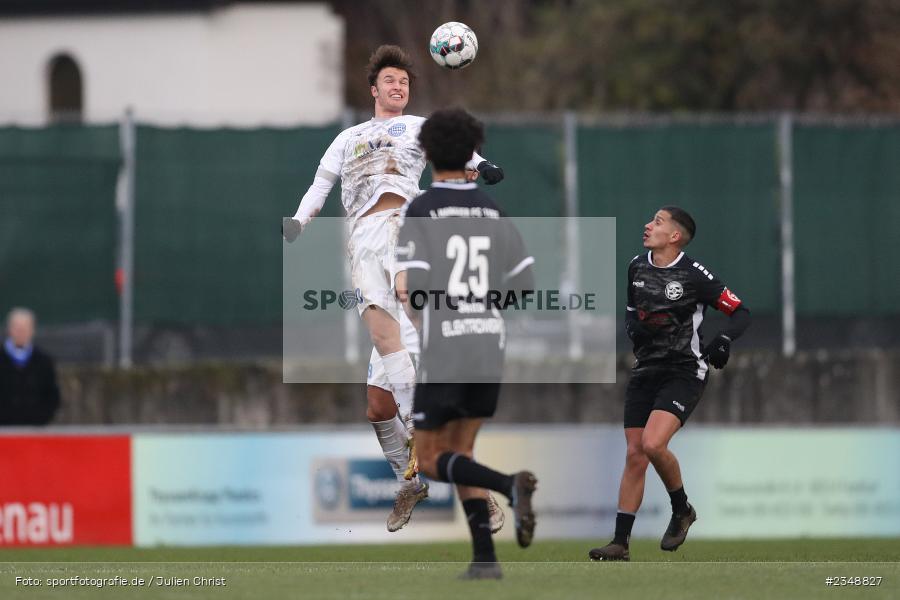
313 200
492 173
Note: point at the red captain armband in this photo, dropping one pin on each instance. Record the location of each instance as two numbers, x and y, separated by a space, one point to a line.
727 302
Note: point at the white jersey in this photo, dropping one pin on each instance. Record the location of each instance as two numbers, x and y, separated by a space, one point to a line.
376 157
370 159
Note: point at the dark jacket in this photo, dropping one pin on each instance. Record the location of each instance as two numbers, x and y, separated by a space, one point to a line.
29 394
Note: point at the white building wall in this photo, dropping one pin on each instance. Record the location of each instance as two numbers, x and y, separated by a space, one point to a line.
242 65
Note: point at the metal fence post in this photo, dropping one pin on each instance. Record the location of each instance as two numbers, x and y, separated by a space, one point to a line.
786 179
125 206
571 276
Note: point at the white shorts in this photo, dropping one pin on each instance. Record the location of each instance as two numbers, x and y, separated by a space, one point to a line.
372 263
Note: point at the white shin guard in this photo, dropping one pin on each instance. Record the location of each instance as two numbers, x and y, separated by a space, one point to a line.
399 369
401 374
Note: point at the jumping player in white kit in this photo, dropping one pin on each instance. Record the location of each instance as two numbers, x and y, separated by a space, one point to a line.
379 164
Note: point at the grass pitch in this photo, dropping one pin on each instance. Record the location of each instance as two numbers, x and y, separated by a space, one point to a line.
557 570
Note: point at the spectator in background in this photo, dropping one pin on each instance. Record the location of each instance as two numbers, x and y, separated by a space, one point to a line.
28 391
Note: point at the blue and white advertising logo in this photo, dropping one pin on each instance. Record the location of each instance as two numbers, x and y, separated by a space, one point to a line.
328 487
373 485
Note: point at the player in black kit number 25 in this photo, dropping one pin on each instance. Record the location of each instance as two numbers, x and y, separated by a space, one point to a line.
668 294
456 250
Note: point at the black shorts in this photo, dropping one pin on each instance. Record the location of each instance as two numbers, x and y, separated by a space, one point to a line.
436 404
677 392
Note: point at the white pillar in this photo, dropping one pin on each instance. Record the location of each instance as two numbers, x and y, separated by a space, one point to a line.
125 207
571 275
786 179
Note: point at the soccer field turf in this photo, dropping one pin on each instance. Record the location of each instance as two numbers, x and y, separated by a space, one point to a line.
556 570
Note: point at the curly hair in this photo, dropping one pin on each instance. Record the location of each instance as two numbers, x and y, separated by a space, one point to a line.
388 56
449 138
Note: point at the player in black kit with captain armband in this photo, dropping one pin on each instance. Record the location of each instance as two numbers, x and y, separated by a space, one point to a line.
668 294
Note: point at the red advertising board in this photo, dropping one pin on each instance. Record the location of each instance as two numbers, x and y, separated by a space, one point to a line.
63 490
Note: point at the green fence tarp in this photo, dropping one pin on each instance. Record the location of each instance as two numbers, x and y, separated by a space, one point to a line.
531 158
847 220
209 208
724 175
58 221
209 204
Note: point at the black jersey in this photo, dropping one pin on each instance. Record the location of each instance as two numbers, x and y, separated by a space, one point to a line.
459 251
672 301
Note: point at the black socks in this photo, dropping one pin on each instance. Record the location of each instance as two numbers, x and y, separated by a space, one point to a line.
624 522
479 525
458 468
679 501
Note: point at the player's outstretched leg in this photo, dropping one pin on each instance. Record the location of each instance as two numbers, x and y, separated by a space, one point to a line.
457 468
661 426
393 437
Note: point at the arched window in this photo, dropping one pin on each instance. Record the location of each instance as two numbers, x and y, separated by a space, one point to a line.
66 90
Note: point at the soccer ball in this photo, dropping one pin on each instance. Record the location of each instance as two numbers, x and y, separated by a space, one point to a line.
453 45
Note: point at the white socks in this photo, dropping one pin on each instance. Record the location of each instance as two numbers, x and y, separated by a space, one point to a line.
392 436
